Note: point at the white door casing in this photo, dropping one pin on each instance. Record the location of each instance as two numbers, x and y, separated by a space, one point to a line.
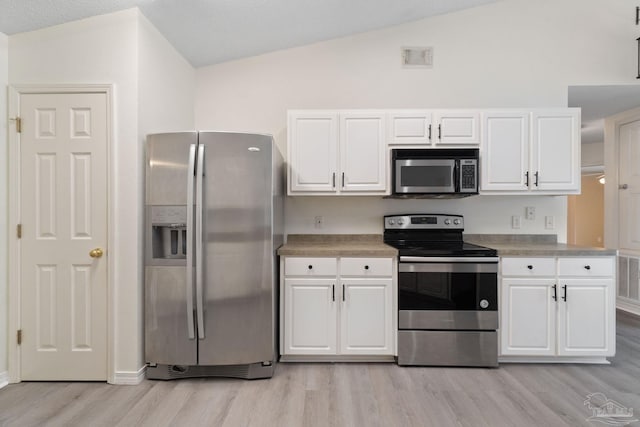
629 179
59 293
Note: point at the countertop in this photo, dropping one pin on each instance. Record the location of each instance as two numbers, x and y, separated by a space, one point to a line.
336 245
533 245
544 245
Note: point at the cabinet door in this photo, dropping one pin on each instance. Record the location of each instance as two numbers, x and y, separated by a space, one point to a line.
366 317
313 152
411 127
505 151
528 317
555 143
456 127
586 320
310 316
362 152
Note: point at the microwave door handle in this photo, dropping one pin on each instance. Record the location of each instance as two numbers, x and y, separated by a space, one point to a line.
456 177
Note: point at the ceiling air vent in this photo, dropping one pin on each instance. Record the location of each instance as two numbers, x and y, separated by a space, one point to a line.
417 57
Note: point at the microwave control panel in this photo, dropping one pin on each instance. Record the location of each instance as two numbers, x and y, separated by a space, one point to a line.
468 174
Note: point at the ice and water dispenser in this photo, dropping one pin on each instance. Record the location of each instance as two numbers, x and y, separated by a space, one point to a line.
168 232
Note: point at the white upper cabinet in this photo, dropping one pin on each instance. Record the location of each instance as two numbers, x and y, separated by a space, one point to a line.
333 153
531 152
504 159
431 128
409 127
555 154
362 152
313 158
456 127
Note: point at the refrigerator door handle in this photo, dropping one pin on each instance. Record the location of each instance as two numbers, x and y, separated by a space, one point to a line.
192 164
199 256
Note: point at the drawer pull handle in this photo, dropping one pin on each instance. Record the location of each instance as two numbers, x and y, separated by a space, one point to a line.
333 292
530 267
587 267
310 266
366 267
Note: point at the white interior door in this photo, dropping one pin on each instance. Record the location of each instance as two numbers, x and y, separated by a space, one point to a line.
64 218
629 179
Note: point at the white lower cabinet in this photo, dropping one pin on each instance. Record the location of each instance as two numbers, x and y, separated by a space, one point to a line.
342 311
559 307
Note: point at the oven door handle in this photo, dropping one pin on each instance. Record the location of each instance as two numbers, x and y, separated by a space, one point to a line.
425 267
441 259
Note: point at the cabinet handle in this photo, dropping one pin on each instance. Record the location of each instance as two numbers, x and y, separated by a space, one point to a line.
333 292
439 131
429 132
587 267
536 181
564 293
526 179
555 292
310 266
530 267
366 267
334 180
342 179
343 297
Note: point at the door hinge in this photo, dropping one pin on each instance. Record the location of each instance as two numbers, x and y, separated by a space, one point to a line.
18 121
19 336
19 231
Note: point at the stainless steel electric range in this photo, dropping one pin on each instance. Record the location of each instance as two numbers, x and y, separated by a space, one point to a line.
447 293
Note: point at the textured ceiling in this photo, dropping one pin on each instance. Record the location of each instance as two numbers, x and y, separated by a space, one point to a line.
213 31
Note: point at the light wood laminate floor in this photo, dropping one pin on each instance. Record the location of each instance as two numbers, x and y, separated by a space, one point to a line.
344 395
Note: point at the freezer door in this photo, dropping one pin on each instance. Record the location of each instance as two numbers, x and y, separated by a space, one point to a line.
168 250
238 288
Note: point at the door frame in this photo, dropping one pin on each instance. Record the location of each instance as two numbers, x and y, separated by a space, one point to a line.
612 169
14 199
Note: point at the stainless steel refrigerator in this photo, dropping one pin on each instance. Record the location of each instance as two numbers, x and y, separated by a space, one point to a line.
214 219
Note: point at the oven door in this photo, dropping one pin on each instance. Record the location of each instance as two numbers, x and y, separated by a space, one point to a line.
448 293
425 176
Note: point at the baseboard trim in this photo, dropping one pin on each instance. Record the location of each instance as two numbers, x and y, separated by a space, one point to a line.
629 307
4 379
593 360
129 377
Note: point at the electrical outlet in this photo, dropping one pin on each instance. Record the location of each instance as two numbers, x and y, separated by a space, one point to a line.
549 222
318 221
515 221
530 213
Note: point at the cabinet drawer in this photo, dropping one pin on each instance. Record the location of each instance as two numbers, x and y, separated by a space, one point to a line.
366 267
528 267
586 267
310 266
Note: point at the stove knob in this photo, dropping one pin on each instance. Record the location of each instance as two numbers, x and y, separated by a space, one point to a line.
456 221
400 221
447 221
391 222
484 303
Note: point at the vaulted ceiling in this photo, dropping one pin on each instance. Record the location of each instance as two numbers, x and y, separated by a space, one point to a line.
213 31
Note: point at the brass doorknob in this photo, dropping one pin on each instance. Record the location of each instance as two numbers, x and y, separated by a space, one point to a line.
96 253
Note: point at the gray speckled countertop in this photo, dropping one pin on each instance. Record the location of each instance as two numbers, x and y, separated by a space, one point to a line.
533 245
336 245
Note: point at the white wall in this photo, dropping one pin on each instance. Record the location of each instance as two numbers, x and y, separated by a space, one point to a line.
154 89
4 80
166 88
513 53
593 154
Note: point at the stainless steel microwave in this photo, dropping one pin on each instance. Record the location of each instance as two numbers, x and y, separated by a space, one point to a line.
437 172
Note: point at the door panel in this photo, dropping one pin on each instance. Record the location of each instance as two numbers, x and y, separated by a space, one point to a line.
362 152
64 216
528 317
238 250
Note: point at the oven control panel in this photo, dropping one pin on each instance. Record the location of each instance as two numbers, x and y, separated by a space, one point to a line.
424 221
